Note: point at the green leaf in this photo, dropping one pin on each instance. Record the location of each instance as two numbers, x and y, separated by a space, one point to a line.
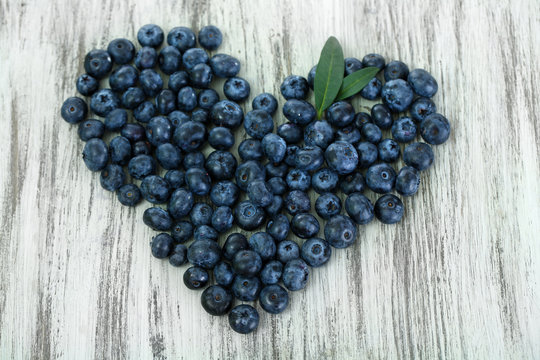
355 82
329 74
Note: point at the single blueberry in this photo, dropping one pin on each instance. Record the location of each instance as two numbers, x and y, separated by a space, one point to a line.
277 185
246 288
423 83
309 158
133 132
181 38
266 102
195 278
187 99
190 136
112 177
374 60
324 180
210 37
318 133
178 256
316 252
421 108
151 82
182 231
98 63
380 178
180 203
221 165
359 208
201 214
435 129
294 87
87 84
278 227
278 170
223 274
200 115
290 132
155 189
129 195
150 35
340 231
367 154
298 180
103 102
305 225
249 171
221 138
404 130
144 112
296 202
274 147
247 263
91 128
407 181
235 242
178 80
169 156
194 56
340 114
204 253
381 116
217 300
287 250
389 209
372 90
360 119
418 155
248 216
397 95
141 166
290 155
194 159
176 178
162 245
352 183
299 112
295 274
271 272
352 65
198 181
263 244
311 77
259 193
201 76
120 150
166 102
225 66
169 60
123 77
224 193
205 232
342 157
207 98
116 119
157 219
274 299
236 89
389 150
95 154
275 206
159 130
327 205
244 319
396 70
350 134
227 113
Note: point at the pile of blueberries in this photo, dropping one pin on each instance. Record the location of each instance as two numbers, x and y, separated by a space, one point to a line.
165 113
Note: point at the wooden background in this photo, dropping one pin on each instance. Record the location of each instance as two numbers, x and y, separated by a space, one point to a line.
459 277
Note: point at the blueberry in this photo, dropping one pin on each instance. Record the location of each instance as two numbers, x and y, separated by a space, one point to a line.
247 263
278 227
263 244
274 147
122 51
359 208
112 177
235 242
342 157
182 232
266 102
225 66
350 134
249 171
187 99
190 136
404 130
155 189
287 250
205 232
340 114
318 133
324 180
278 170
389 209
178 256
340 231
196 278
374 60
396 70
180 203
129 195
397 95
227 113
159 130
372 90
210 37
201 76
381 116
157 219
146 58
178 80
295 274
277 185
222 219
298 180
166 102
87 84
305 225
299 112
181 38
244 319
418 155
207 98
175 178
194 56
116 119
133 132
150 35
367 154
389 150
204 253
248 216
246 288
407 181
224 193
423 83
294 87
223 274
271 272
274 299
309 158
327 205
162 245
103 102
290 155
194 159
120 150
297 202
290 132
435 129
169 60
221 138
275 206
352 183
98 63
145 111
217 300
201 214
200 115
371 133
380 178
352 65
141 147
316 252
259 193
198 181
311 77
360 119
91 128
168 156
95 154
141 166
151 82
236 89
421 108
221 165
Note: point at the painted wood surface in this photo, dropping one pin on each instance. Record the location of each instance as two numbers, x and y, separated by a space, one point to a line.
459 277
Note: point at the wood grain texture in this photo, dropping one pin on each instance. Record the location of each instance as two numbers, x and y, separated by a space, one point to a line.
459 277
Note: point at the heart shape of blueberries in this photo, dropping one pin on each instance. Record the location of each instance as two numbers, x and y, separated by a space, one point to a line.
166 127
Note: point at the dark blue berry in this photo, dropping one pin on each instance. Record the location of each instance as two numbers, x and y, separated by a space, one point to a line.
423 83
311 76
235 242
91 128
86 84
95 154
150 35
360 119
342 157
340 114
246 288
129 195
290 132
305 225
146 58
103 102
352 65
367 154
318 133
190 136
324 180
182 231
372 90
247 263
278 227
221 165
340 231
290 155
380 178
299 112
287 250
122 51
381 116
227 113
223 274
298 180
418 155
266 102
116 119
274 299
294 87
396 70
194 159
176 178
275 206
187 99
352 183
205 232
295 274
407 181
162 245
297 202
181 38
224 193
155 189
169 60
259 193
244 319
397 95
225 66
159 130
217 300
277 185
166 102
274 147
350 134
389 209
389 150
263 244
169 156
133 132
180 203
236 89
327 205
221 138
359 208
112 177
249 171
178 256
201 214
374 60
204 253
421 108
309 158
196 278
316 252
248 216
151 82
120 150
207 98
144 112
141 166
178 80
271 272
198 181
194 56
201 76
98 63
404 130
210 37
157 219
435 129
